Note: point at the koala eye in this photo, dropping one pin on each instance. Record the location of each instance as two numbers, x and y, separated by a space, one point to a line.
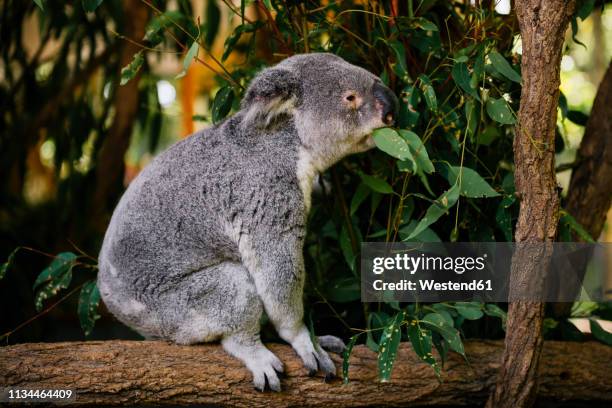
350 97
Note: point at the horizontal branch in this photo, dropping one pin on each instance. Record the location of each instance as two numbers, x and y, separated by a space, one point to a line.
153 372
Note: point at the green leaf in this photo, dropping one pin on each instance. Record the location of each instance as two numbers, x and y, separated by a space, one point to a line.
428 92
585 9
408 110
472 184
376 184
39 3
437 323
436 210
461 76
154 33
491 309
471 116
129 71
9 263
499 111
599 333
503 217
91 5
503 67
389 343
390 142
60 264
470 310
421 341
89 299
222 103
346 356
400 56
577 117
418 150
427 235
53 278
191 54
424 24
488 135
568 220
268 4
233 39
359 197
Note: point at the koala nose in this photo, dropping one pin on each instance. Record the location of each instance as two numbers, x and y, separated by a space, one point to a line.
388 101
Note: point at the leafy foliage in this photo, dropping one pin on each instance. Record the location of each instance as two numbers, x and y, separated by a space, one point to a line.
450 63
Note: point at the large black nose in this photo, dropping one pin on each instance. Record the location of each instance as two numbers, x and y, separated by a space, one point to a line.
389 103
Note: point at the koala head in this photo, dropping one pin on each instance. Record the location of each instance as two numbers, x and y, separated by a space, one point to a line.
334 105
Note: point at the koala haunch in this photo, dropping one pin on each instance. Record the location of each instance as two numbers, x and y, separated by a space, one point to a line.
210 234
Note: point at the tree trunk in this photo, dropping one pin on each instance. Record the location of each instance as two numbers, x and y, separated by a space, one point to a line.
590 191
542 25
110 164
143 372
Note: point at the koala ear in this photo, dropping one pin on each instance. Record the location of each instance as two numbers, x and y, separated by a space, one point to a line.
273 93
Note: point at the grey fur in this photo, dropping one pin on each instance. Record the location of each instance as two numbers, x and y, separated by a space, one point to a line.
210 234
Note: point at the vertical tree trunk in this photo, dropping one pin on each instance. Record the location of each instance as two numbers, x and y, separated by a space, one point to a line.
542 24
110 168
590 191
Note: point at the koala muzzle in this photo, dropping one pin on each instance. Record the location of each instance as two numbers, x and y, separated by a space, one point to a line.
389 103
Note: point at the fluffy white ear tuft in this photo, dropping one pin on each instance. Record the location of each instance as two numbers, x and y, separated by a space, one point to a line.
272 95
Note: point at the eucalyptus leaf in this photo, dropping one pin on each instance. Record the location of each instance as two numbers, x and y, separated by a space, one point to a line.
222 103
470 310
499 111
421 341
437 323
388 345
191 54
359 197
9 263
89 300
129 71
346 355
376 184
599 333
462 78
418 150
436 210
390 142
472 184
503 67
428 92
53 278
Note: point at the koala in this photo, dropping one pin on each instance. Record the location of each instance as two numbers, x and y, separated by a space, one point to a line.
210 234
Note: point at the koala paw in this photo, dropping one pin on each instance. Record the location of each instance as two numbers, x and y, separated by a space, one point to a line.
265 366
332 344
314 357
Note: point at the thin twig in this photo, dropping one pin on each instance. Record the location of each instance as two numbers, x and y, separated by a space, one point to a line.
44 312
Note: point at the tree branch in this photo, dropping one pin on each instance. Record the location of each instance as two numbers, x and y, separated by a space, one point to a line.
146 372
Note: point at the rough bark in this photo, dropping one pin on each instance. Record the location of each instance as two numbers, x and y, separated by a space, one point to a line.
140 373
110 167
542 24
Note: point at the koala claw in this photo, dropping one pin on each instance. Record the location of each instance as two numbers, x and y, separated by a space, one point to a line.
332 344
266 369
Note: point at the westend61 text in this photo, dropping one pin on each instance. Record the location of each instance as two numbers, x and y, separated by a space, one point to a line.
429 285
